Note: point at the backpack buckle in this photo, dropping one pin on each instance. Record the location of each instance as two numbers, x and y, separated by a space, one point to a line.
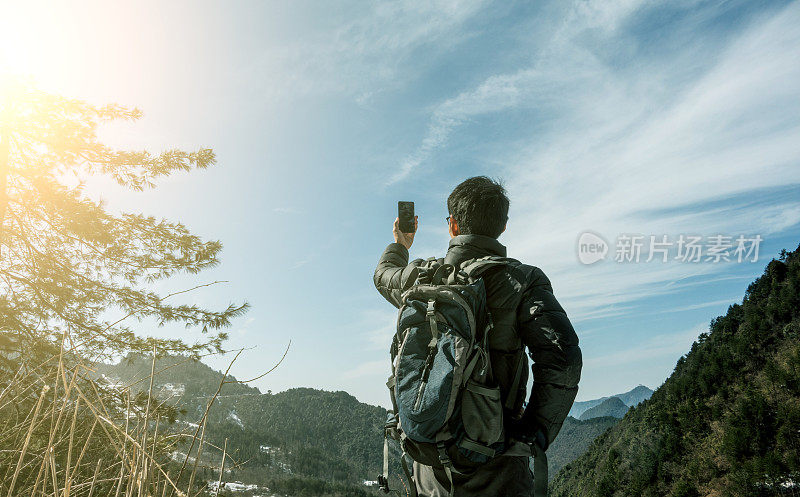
431 315
440 274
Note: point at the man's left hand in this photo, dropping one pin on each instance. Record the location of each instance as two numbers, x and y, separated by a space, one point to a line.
526 436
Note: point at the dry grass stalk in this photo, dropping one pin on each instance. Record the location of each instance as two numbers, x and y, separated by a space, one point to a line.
45 388
222 466
94 478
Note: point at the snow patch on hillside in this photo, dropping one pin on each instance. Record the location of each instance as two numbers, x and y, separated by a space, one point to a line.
235 418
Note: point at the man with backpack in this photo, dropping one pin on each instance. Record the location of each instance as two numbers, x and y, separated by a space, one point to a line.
459 363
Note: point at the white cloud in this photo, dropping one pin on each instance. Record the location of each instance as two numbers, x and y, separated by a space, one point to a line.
544 83
670 345
298 264
380 324
368 51
702 305
370 369
496 93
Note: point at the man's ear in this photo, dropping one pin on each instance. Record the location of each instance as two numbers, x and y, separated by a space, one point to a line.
504 227
454 227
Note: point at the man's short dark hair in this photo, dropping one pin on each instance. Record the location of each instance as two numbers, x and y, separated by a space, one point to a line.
479 206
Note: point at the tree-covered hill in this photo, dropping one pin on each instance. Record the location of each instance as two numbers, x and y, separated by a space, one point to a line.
573 440
726 422
304 431
301 432
612 407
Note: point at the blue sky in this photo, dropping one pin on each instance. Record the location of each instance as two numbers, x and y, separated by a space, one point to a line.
657 118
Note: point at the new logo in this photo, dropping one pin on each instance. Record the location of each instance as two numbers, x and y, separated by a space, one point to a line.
591 248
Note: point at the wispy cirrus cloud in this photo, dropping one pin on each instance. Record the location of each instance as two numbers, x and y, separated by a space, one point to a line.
539 85
666 345
368 50
495 94
367 369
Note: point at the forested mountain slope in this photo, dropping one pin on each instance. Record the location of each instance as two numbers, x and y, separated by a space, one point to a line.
726 422
303 431
573 440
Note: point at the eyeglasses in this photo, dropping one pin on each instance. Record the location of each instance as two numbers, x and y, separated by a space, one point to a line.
448 219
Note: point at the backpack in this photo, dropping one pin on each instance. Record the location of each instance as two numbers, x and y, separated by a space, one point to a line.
447 408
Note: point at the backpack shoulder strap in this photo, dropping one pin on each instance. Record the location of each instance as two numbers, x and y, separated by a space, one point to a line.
472 269
433 271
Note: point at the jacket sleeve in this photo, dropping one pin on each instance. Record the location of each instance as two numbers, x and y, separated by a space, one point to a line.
553 346
394 274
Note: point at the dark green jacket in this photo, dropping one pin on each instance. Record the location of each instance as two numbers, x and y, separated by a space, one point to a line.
525 312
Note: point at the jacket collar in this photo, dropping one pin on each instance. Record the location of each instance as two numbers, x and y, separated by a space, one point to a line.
463 247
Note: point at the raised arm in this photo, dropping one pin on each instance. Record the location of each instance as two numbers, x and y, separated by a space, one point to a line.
394 274
553 345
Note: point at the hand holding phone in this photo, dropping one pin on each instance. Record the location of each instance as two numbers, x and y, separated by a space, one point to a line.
406 217
405 226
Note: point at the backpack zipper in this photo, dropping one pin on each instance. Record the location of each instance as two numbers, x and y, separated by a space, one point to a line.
426 369
420 391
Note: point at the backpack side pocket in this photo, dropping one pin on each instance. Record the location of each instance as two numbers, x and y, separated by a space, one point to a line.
482 413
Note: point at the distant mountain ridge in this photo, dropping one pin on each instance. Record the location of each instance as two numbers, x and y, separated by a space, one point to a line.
612 406
631 398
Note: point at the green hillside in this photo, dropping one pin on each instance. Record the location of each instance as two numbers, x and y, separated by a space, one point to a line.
573 440
726 422
279 439
302 432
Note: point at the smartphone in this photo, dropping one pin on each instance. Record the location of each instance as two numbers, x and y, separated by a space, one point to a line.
405 212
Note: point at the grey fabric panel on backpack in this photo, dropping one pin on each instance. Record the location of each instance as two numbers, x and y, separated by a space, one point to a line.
482 413
424 405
